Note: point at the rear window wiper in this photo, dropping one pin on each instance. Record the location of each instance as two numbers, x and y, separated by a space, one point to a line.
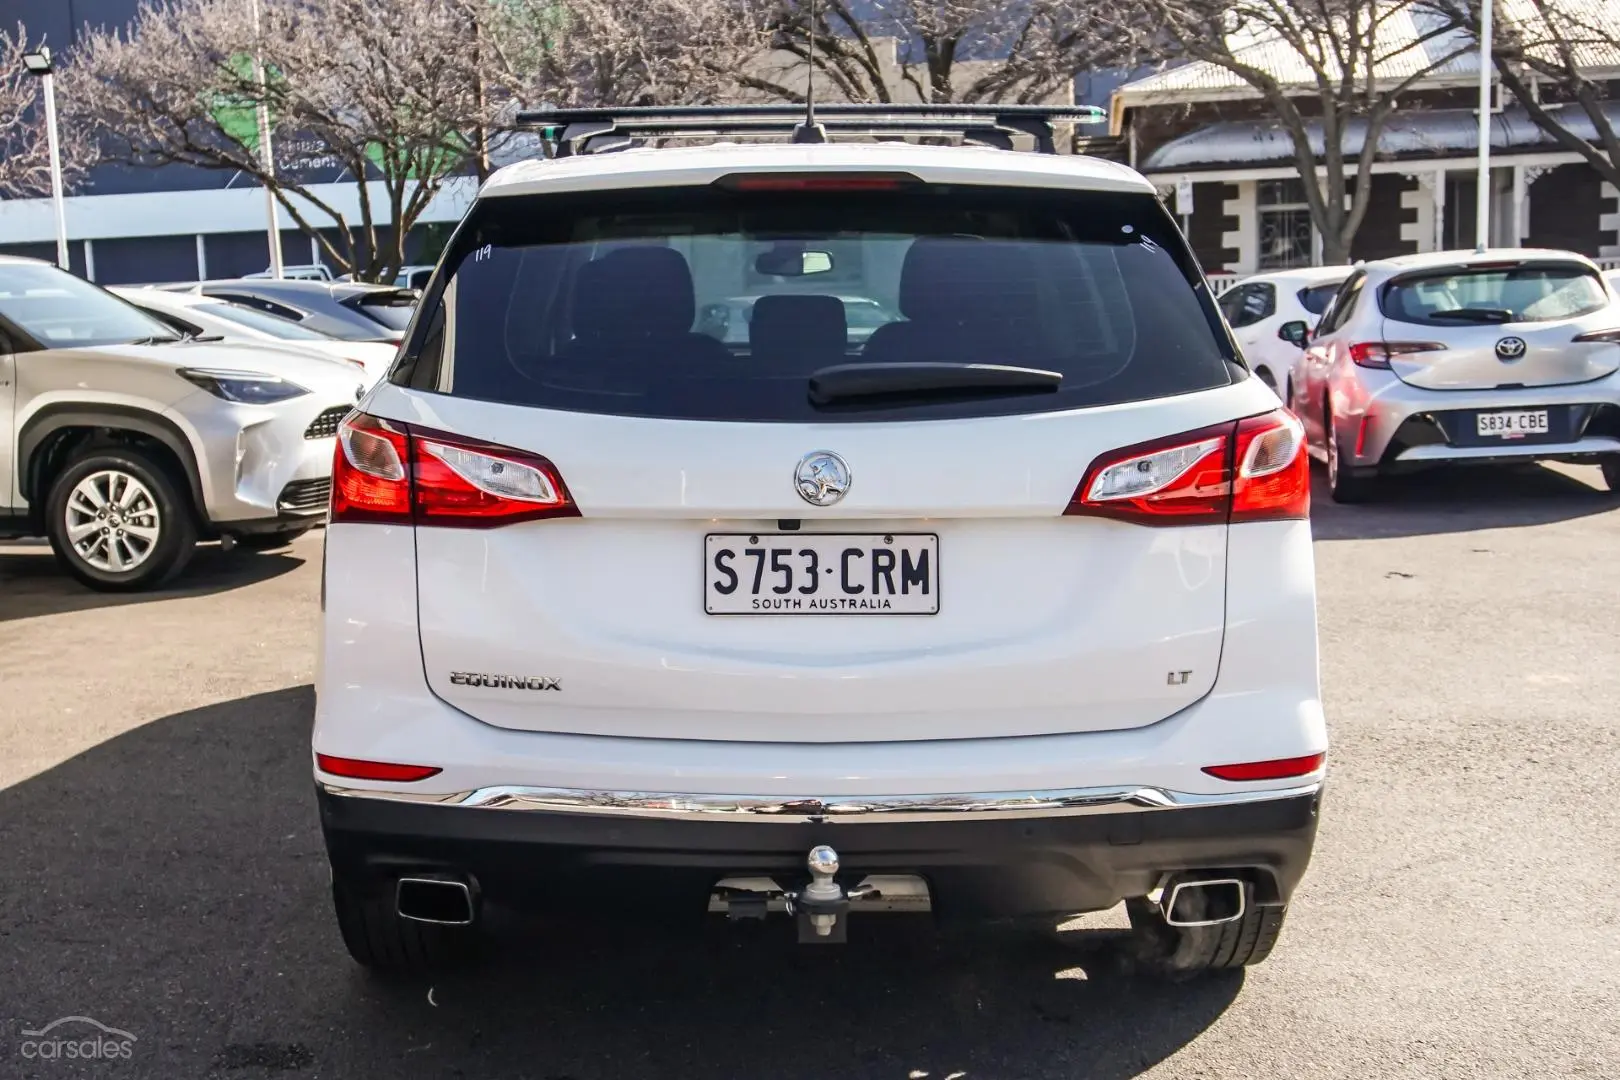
848 382
1481 315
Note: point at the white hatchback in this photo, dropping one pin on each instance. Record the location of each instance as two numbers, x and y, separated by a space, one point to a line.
1005 609
1272 315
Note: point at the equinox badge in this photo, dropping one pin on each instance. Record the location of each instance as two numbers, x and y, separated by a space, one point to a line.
505 682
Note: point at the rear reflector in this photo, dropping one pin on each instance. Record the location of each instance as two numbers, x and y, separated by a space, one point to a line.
1277 769
1187 479
355 769
385 471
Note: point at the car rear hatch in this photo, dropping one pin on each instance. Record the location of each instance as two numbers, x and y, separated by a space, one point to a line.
828 538
1500 324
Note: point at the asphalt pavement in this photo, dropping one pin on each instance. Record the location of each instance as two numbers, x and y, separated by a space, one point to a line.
161 871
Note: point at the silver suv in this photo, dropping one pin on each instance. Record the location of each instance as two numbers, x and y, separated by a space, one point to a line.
124 443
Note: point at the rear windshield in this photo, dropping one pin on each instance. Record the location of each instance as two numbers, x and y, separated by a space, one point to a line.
1534 293
713 304
1315 299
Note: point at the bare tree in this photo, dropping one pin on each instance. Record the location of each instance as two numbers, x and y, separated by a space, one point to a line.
380 91
1547 64
1032 48
620 52
1326 70
25 162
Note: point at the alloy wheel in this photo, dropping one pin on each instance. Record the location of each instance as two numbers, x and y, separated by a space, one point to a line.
113 521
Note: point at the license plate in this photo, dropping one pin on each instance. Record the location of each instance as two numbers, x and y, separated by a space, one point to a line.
820 574
1511 425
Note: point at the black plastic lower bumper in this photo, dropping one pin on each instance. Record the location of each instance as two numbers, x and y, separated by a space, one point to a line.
975 869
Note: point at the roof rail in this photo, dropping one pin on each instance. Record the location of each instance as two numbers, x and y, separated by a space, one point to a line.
570 132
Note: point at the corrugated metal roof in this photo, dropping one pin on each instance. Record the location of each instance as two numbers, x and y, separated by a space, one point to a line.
1442 133
1594 26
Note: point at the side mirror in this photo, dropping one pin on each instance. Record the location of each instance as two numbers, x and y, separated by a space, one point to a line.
1296 333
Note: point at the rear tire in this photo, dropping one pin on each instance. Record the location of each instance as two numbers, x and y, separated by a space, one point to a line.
1611 474
1182 952
1342 485
379 940
118 520
270 541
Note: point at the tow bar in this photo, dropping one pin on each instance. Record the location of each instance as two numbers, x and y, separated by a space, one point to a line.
821 908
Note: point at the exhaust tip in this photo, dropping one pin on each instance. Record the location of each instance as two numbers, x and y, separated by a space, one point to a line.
443 901
1204 902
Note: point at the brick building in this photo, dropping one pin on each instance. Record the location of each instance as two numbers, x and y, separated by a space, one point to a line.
1200 123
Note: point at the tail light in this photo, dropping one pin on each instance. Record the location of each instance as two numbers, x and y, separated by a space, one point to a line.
385 471
1605 337
1251 470
1377 354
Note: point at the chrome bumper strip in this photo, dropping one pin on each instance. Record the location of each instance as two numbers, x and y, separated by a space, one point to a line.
1000 805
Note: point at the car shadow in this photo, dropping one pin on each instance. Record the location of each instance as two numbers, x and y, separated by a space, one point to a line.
171 883
1461 500
33 583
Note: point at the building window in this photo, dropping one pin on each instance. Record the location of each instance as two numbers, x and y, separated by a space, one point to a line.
1285 224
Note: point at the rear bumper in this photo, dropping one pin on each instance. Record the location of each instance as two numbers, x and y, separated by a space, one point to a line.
1387 425
979 863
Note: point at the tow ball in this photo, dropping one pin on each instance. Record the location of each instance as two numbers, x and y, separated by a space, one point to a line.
821 908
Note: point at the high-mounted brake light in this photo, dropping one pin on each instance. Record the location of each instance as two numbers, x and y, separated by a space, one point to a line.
355 769
389 472
1251 470
1377 354
1275 769
818 181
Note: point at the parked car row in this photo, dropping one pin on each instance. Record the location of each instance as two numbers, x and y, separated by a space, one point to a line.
138 421
1443 358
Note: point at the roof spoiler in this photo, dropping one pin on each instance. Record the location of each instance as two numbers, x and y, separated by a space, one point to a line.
571 132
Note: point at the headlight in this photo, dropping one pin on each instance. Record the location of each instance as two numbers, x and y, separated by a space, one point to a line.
244 387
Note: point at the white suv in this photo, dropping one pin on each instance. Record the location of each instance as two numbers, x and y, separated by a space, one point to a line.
1004 610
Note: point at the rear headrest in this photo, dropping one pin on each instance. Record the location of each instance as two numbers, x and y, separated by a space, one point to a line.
798 326
637 292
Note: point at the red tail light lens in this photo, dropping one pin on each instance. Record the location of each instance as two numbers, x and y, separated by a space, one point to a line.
1606 337
1188 479
369 480
475 485
1181 480
355 769
389 472
1273 471
1276 769
1377 354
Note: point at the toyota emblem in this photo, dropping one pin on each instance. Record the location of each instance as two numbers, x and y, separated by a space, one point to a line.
822 478
1510 349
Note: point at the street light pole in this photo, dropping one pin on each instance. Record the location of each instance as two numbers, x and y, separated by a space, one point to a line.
40 63
266 158
1482 219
